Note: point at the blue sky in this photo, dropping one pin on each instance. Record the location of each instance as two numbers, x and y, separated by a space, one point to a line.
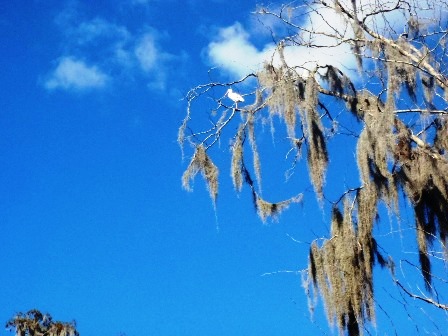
95 224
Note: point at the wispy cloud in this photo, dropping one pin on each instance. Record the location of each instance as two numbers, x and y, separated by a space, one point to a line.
108 47
147 53
156 63
100 29
75 74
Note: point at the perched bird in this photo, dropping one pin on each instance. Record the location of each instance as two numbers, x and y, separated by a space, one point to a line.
234 96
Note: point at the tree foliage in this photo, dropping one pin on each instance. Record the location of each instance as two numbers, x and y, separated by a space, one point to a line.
397 96
34 323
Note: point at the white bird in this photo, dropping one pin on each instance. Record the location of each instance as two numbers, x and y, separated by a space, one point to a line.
236 97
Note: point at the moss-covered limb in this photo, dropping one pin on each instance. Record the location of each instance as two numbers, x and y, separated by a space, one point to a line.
202 163
267 209
397 105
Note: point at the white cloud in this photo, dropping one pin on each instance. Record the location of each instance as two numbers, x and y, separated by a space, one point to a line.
75 74
233 51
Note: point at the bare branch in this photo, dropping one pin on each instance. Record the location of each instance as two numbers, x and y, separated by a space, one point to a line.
424 299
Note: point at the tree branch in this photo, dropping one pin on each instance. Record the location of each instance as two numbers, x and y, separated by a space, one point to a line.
424 299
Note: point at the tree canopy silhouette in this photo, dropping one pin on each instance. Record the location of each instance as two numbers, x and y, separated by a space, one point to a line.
34 323
391 106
